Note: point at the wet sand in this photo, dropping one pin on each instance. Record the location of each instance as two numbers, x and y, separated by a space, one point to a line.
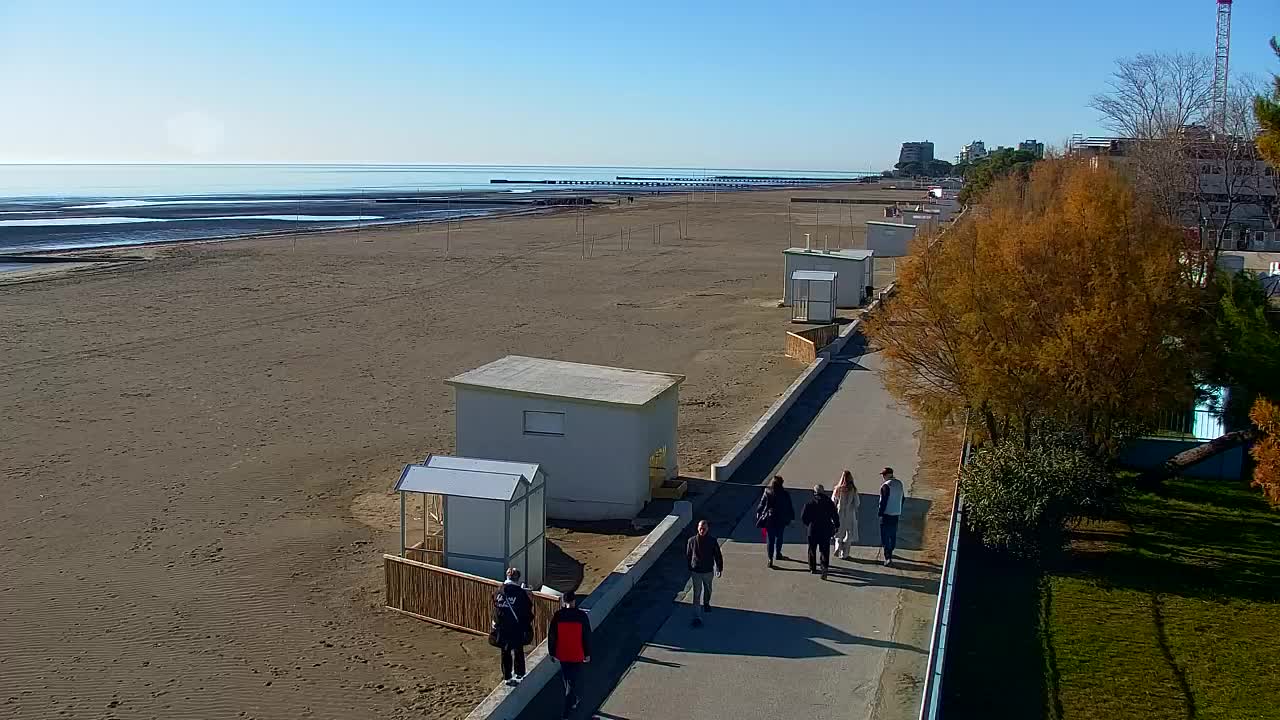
199 447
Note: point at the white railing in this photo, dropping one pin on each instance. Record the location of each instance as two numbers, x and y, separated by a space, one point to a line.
932 697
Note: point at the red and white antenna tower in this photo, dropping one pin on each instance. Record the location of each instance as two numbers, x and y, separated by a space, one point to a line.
1220 57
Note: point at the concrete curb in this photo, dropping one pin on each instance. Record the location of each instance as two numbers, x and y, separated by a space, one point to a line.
722 470
506 703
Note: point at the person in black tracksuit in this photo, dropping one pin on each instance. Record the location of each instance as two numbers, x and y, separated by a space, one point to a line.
823 519
513 625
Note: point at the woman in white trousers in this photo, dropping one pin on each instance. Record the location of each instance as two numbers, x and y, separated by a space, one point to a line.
845 496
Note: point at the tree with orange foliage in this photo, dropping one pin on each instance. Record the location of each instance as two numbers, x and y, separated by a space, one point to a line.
1266 452
1062 298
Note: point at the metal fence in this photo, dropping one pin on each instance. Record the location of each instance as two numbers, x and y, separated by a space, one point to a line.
932 698
1198 424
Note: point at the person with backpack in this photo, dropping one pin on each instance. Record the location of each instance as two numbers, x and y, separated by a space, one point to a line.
569 644
773 514
822 519
512 626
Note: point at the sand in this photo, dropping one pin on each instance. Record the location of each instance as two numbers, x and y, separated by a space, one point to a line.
198 448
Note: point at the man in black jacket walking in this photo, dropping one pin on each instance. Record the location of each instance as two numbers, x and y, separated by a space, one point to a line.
703 555
822 519
512 625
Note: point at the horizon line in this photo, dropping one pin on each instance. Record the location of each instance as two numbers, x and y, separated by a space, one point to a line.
4 163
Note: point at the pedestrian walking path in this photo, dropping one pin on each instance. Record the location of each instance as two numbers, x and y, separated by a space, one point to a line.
783 642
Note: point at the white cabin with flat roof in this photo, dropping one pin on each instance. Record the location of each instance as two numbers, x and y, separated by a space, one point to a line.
889 239
852 267
605 436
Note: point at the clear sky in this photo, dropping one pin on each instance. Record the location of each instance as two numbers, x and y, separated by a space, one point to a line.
776 84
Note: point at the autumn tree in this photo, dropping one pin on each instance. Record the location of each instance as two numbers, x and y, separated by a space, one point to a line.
1062 299
1266 453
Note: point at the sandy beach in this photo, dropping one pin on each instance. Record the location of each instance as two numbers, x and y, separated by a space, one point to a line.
199 447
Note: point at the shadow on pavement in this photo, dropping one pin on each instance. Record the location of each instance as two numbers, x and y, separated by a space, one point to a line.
731 631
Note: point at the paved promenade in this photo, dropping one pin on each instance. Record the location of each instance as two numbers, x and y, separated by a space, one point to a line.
783 642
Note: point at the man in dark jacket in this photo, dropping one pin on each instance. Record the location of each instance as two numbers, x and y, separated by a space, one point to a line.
822 519
513 625
703 555
569 643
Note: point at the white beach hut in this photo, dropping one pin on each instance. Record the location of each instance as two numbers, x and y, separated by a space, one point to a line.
889 239
853 269
605 436
494 515
813 296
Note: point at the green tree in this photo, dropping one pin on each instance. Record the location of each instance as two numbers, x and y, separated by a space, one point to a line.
909 169
1267 111
982 173
939 168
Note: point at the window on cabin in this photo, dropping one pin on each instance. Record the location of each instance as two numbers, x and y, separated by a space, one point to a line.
537 422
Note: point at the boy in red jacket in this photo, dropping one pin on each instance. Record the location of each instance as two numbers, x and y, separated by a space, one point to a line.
569 643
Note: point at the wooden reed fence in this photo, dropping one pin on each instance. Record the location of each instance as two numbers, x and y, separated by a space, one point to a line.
804 345
429 551
453 599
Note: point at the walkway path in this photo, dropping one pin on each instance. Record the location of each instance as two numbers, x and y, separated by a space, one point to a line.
780 643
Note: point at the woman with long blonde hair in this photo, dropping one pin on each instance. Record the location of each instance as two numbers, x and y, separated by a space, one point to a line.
845 496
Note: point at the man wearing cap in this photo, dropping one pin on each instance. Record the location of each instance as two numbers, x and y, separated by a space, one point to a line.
890 510
569 643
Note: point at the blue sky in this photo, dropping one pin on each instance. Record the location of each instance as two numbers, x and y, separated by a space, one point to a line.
796 85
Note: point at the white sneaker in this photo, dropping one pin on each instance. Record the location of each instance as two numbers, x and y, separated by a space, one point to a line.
517 679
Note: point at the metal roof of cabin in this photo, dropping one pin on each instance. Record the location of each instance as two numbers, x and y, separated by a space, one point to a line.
845 254
466 477
901 225
824 275
568 380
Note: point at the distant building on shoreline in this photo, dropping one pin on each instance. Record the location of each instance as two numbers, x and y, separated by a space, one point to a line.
975 150
1032 146
916 152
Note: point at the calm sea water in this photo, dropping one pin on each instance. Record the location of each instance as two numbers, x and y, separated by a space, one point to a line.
142 181
61 207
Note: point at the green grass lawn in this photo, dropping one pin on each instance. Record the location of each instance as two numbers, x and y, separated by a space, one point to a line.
1172 614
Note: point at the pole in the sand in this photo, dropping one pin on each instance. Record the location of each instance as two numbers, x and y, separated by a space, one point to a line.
684 233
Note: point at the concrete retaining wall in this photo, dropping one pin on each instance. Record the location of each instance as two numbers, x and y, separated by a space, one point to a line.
1152 452
505 703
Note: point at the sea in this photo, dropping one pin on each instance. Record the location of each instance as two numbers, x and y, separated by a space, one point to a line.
53 207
